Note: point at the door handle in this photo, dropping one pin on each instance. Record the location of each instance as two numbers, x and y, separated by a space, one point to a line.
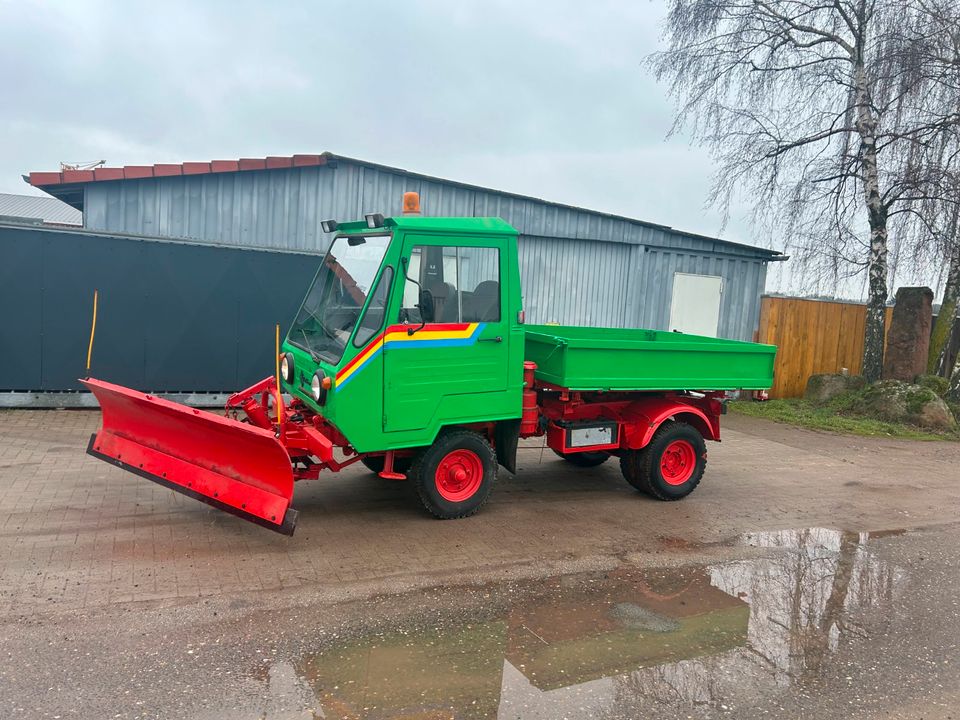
493 339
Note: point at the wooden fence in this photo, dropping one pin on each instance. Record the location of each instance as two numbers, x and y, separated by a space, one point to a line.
812 336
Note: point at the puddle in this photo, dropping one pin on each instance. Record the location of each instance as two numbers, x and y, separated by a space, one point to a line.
619 644
805 539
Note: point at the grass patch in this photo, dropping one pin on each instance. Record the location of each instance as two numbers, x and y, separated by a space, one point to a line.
834 416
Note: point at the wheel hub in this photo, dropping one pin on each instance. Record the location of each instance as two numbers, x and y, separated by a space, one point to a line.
677 462
458 475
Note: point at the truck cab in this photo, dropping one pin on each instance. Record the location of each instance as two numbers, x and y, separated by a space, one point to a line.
410 325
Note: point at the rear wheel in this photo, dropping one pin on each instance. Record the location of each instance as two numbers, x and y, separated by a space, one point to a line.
670 466
375 463
455 475
584 459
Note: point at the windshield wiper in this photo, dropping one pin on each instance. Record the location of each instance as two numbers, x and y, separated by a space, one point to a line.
313 353
326 330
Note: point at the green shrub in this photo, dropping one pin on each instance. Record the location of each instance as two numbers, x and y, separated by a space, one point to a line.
917 397
935 383
848 413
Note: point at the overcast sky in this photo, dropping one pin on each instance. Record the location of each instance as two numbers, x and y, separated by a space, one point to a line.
545 99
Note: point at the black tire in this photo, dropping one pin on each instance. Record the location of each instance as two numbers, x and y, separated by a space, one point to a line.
474 457
644 469
584 459
375 463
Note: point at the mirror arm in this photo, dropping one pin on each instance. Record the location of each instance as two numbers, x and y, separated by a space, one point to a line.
423 322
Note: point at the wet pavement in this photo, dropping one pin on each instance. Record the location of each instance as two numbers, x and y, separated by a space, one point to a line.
701 609
811 622
610 644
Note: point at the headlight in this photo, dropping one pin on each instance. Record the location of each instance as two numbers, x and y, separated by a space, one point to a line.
315 387
286 367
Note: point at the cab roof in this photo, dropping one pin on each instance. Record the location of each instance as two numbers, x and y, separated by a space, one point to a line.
485 225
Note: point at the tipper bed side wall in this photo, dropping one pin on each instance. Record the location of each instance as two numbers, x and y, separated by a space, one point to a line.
581 358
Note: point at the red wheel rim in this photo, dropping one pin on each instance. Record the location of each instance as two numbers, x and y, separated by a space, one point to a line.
678 462
458 475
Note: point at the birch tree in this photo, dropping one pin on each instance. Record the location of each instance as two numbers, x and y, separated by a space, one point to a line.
828 114
948 322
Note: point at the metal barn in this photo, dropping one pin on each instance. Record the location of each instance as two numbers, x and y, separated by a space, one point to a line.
578 266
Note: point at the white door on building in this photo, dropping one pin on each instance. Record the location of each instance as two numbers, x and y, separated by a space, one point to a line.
695 308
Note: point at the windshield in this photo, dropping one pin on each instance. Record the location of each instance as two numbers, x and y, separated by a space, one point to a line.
332 306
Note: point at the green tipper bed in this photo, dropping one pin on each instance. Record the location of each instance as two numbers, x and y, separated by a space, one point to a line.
582 358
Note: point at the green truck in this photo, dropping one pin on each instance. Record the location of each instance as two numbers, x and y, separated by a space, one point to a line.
410 354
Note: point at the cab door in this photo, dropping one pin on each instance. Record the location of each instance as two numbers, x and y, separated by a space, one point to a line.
446 353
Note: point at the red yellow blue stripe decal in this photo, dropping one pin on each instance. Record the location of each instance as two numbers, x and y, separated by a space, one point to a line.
397 337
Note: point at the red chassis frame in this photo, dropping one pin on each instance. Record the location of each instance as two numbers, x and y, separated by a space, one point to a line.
637 414
248 466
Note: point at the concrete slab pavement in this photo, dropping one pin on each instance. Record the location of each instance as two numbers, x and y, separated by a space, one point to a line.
77 533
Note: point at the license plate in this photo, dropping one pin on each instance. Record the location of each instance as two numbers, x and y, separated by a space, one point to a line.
585 437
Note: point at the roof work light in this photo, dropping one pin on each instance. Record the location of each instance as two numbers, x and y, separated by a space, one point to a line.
374 220
329 226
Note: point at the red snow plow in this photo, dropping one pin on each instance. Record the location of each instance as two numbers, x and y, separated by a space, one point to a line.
234 466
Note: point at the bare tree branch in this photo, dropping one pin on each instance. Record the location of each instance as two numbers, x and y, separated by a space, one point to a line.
838 118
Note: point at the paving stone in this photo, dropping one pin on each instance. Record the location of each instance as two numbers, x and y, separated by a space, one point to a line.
76 532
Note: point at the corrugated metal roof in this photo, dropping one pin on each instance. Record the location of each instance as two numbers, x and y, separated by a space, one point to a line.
33 207
68 185
136 172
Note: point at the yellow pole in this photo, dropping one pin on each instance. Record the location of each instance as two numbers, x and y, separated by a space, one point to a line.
279 392
93 329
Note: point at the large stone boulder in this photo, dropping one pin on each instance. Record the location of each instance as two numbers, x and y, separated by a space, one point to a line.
821 388
896 401
908 340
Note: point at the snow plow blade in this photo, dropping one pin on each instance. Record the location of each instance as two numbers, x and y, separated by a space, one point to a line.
233 466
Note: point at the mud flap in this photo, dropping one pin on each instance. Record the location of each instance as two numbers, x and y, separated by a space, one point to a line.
507 437
232 466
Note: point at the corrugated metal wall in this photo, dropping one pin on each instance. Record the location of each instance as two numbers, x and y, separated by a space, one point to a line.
575 282
578 266
743 282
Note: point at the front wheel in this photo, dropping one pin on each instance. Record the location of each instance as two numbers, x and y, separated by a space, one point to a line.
670 466
455 475
584 459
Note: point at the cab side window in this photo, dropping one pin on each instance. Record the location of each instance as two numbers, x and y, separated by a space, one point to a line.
480 273
457 284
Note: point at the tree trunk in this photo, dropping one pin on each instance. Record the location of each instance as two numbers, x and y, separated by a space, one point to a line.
818 640
942 330
875 328
953 394
873 334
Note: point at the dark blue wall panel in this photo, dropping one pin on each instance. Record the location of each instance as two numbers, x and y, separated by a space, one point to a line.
20 313
172 317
